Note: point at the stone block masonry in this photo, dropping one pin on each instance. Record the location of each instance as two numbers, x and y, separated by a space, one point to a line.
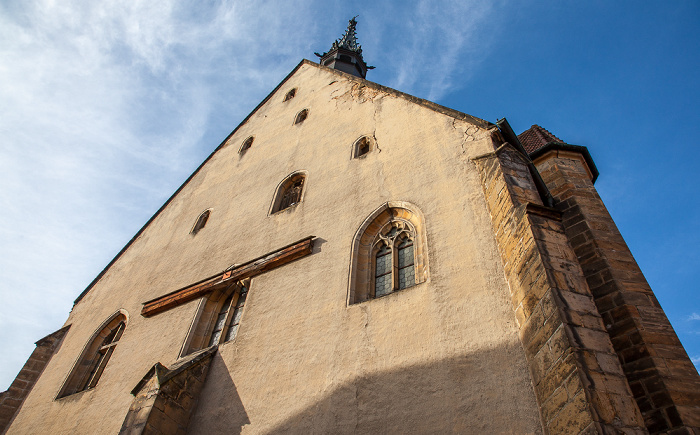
165 397
664 381
578 380
12 399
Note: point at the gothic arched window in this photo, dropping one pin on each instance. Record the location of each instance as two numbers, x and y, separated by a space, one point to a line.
389 252
290 192
200 222
301 116
92 362
362 146
246 145
290 94
218 317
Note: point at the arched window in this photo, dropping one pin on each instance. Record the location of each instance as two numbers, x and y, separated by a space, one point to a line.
290 192
290 94
246 145
92 362
389 252
218 317
200 222
362 146
301 116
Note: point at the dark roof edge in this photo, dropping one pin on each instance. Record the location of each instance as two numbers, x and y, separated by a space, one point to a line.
182 186
560 146
429 104
420 101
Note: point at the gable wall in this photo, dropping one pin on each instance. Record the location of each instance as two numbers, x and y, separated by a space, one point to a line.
443 355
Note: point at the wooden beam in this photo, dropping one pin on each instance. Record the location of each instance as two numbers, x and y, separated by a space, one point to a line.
250 269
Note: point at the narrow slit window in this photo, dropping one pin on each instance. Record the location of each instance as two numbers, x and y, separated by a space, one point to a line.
301 116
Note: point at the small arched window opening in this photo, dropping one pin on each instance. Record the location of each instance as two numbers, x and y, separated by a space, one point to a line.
301 116
91 364
290 94
218 317
201 222
290 192
246 145
389 252
362 146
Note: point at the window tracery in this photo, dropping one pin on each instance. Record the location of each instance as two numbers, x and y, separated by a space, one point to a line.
389 252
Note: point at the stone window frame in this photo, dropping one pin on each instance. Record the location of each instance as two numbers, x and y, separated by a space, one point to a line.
281 189
301 116
290 94
208 310
89 367
366 243
201 221
356 146
246 145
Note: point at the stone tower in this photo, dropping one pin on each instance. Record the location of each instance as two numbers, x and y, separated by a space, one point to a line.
353 259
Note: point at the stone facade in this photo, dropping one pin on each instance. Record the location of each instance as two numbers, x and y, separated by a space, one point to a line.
519 318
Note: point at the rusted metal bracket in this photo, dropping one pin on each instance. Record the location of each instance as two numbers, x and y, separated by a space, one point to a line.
250 269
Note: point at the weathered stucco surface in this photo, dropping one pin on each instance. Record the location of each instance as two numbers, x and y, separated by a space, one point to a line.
443 356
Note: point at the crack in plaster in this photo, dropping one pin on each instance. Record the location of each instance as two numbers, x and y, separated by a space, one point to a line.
469 133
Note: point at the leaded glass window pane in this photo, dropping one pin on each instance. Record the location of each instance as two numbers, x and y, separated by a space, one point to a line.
237 314
220 322
382 276
407 273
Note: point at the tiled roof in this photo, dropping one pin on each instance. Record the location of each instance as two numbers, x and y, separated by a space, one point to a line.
536 137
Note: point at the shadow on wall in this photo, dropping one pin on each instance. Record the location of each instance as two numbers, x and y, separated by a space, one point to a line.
226 416
484 392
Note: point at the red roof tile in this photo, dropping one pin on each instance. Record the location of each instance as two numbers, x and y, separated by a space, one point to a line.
536 137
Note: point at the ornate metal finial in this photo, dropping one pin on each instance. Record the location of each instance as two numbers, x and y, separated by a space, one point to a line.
349 39
346 54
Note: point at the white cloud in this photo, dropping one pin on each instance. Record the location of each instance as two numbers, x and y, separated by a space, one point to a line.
435 46
694 316
106 107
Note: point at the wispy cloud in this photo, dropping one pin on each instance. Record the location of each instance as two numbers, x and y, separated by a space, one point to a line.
694 316
106 107
435 46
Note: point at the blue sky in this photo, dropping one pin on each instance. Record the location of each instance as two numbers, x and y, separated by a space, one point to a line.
106 108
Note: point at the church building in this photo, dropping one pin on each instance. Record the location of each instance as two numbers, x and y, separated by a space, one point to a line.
352 259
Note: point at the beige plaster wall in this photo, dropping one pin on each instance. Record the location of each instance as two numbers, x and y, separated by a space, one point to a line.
443 356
